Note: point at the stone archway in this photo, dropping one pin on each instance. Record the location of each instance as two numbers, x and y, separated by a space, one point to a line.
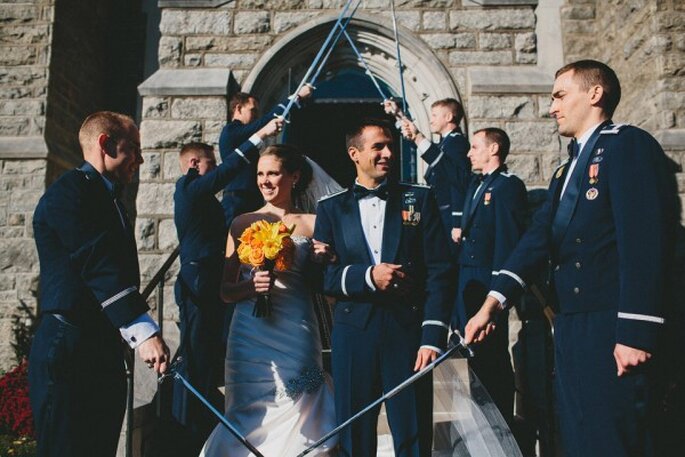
280 69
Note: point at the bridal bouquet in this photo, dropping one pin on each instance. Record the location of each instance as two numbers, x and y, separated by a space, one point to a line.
265 246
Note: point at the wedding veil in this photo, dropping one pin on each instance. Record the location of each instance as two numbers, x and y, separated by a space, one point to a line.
321 185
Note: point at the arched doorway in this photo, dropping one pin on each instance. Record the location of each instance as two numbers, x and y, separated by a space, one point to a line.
344 92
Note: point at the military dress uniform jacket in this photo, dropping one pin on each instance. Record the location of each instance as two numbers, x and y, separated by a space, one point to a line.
87 252
493 221
448 173
200 223
611 250
412 237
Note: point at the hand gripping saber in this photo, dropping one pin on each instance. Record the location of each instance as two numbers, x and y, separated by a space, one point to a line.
173 372
287 109
400 387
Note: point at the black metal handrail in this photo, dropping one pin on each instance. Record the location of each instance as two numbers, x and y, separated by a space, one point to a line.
157 281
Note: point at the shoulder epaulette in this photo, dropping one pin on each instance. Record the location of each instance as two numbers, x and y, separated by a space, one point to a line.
455 133
420 186
326 197
506 174
612 129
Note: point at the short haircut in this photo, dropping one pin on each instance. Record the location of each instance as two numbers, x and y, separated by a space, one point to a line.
454 106
293 161
238 99
499 136
195 146
591 73
354 134
114 125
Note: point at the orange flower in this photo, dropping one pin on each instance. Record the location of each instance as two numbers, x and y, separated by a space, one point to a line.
256 258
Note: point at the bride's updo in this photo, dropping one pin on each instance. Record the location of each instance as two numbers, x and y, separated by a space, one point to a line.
293 161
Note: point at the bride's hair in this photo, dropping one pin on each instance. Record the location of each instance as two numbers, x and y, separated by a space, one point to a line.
293 161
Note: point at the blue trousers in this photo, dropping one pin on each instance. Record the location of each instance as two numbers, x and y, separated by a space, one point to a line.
77 389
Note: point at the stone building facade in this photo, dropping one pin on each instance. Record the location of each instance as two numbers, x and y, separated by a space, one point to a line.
496 56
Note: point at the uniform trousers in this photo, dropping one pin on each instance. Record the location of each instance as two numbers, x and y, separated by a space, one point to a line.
373 360
77 388
600 413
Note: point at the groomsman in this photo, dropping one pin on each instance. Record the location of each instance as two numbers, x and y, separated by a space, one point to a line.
392 281
89 297
241 194
607 231
202 230
493 222
448 170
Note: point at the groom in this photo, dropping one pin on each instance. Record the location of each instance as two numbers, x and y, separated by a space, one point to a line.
391 281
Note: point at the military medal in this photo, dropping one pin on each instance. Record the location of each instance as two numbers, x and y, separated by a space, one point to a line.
593 172
599 151
597 159
591 193
486 198
409 214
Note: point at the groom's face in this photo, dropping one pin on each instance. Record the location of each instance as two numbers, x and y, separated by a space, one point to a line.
373 155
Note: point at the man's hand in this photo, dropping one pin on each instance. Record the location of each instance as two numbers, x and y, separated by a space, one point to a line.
391 108
456 234
628 358
274 126
155 353
322 252
424 357
483 323
306 92
387 276
263 281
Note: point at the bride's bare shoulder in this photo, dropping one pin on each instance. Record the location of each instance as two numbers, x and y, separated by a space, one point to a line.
243 221
304 224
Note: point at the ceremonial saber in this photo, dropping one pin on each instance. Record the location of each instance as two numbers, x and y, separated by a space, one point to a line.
287 109
174 372
363 62
342 27
399 56
393 392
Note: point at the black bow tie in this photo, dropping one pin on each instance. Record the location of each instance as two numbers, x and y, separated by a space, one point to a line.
361 192
573 149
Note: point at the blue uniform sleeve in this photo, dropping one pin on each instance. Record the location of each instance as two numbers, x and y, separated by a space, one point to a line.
636 179
339 280
97 254
458 173
215 180
440 287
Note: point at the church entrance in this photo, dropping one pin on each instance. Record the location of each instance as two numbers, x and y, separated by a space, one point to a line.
319 128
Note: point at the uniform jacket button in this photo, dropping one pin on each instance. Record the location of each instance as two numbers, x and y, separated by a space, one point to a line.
347 310
578 240
556 268
414 308
578 265
576 290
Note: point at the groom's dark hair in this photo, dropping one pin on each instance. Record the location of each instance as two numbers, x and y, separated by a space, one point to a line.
353 135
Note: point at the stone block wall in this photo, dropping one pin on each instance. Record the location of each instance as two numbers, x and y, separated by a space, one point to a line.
25 39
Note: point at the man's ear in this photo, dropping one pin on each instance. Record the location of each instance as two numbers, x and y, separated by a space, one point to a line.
494 149
194 162
596 94
353 153
107 145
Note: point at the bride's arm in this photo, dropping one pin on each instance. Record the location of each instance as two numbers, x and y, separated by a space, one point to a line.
232 289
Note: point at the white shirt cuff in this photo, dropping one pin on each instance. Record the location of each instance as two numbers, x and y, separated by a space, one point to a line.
499 297
432 348
254 139
424 145
142 328
369 281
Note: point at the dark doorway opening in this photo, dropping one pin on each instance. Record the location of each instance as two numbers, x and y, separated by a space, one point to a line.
319 128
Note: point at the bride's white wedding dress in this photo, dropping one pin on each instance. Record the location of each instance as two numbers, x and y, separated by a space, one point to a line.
277 394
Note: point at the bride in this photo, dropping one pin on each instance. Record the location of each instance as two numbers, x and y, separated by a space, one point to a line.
277 394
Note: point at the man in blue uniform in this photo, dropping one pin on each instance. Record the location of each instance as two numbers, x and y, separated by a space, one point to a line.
201 230
448 170
391 278
241 194
493 222
607 230
89 297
